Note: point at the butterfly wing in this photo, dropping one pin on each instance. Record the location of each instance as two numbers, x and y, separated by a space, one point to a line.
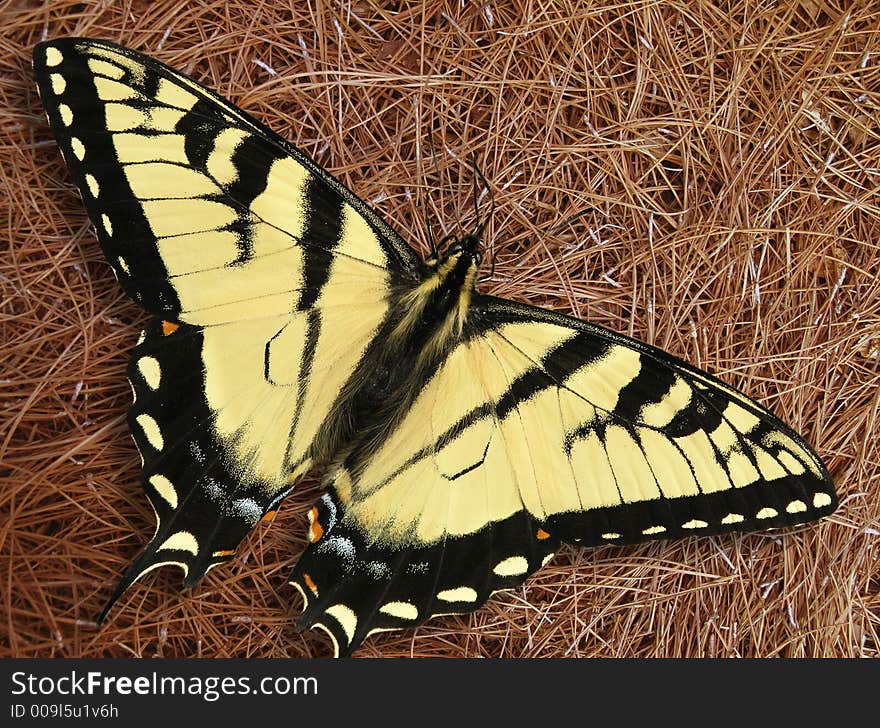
540 429
253 260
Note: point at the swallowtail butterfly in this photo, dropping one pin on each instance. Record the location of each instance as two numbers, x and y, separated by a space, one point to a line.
462 437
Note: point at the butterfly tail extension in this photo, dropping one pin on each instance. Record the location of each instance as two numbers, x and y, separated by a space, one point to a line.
145 562
204 505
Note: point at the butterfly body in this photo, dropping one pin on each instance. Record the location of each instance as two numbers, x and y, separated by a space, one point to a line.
426 320
462 437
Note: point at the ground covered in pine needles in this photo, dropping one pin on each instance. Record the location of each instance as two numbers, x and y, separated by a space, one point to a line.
701 175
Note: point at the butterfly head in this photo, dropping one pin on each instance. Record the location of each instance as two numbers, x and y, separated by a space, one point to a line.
465 251
456 270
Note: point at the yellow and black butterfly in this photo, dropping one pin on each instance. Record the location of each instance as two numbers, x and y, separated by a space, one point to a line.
463 437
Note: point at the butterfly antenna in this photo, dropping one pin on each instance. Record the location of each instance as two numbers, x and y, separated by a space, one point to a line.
474 191
481 225
429 189
431 241
570 219
445 238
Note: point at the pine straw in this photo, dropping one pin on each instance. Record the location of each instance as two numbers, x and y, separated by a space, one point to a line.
700 176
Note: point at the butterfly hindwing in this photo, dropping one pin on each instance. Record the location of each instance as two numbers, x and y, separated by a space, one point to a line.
204 503
353 586
255 258
539 429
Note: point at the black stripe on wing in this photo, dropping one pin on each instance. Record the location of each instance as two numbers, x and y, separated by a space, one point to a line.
790 484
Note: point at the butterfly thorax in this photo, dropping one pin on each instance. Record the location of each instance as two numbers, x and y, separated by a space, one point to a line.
435 310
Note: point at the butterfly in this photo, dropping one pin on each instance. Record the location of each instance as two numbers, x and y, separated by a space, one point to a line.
463 437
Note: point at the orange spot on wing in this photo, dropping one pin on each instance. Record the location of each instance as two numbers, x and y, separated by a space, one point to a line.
169 327
268 516
224 552
316 530
310 584
542 534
